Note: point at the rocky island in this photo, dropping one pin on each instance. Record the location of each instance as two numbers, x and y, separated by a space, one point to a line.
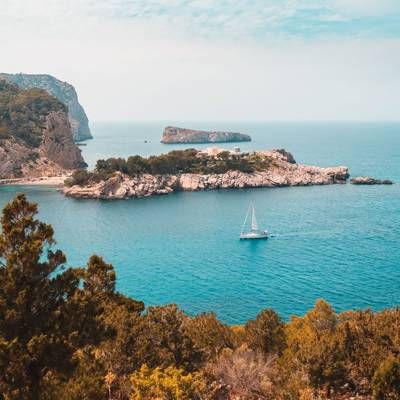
35 135
63 91
172 135
194 170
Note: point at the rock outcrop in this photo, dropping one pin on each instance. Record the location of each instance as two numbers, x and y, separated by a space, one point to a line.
64 92
173 134
367 180
282 173
56 154
35 137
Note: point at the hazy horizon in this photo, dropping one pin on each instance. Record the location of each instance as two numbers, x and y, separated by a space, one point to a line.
191 60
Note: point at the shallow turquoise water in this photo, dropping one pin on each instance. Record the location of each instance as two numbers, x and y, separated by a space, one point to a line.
337 242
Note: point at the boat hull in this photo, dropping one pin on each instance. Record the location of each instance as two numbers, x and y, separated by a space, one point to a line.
254 236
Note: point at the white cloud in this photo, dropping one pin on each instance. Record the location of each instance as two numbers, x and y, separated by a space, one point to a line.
361 8
136 69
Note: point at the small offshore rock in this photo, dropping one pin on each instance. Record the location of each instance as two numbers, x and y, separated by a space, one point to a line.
367 180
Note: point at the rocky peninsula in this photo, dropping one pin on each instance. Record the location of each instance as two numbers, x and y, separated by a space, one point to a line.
63 91
172 135
274 168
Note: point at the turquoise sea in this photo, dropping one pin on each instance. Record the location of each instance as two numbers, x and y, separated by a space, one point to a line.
341 242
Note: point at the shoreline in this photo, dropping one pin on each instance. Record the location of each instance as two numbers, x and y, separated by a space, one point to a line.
37 181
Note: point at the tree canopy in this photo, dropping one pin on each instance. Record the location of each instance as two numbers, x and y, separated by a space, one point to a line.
175 162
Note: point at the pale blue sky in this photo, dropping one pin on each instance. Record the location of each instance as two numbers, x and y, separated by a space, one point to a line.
213 59
260 18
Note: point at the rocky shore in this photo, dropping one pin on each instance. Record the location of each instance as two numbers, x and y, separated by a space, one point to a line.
283 172
173 134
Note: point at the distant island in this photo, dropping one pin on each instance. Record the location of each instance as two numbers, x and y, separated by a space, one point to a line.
194 170
63 91
173 135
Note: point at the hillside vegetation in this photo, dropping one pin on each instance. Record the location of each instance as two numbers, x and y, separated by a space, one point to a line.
63 91
66 333
23 112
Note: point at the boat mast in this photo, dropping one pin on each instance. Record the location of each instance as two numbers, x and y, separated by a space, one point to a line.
245 220
254 225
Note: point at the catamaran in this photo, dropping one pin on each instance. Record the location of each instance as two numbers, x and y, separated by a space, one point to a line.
255 232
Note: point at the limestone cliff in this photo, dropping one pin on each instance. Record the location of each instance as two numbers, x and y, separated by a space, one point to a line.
173 134
64 92
35 135
282 172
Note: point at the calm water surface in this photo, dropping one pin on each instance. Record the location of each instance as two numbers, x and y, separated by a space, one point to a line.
337 242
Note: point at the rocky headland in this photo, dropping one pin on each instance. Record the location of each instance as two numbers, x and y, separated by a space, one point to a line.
35 135
63 91
280 169
173 135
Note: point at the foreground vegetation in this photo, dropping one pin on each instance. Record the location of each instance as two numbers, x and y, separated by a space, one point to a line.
23 112
175 162
68 334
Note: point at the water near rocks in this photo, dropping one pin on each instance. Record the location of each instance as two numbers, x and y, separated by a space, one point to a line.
338 242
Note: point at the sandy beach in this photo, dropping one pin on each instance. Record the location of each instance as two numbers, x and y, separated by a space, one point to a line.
42 181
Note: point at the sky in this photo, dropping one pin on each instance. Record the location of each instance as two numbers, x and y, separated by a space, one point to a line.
286 60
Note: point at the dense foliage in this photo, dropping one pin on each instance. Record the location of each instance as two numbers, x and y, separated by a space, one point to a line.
66 333
22 112
174 162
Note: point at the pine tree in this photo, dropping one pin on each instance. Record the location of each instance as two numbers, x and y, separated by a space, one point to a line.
37 337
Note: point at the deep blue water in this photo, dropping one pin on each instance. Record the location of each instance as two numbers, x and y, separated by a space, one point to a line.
337 242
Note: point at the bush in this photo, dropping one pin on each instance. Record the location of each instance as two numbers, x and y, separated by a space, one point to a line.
80 177
209 335
266 332
166 384
246 372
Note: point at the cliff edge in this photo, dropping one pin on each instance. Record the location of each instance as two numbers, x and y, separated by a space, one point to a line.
173 134
64 92
35 135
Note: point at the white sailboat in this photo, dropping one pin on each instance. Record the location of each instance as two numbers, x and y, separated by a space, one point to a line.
255 232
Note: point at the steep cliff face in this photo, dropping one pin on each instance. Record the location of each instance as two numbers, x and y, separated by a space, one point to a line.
173 134
64 92
57 144
35 134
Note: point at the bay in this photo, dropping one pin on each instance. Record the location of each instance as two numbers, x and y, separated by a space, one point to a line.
336 242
